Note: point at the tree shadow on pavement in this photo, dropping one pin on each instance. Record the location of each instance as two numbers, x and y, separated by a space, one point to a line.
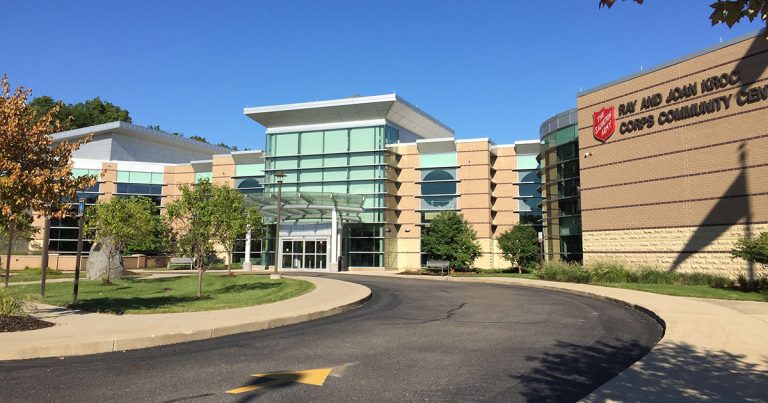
671 372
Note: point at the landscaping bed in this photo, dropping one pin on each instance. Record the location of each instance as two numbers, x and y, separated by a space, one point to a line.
21 323
173 294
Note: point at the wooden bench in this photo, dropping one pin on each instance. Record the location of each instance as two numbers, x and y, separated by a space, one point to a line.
181 261
441 265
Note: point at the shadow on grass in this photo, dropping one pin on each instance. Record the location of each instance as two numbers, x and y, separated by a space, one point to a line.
672 372
119 305
248 287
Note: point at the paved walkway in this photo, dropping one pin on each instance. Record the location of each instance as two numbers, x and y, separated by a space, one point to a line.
79 333
712 349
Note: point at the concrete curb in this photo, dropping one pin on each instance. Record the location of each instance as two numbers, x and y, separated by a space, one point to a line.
355 296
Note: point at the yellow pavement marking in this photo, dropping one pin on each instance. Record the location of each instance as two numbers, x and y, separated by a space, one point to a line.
308 376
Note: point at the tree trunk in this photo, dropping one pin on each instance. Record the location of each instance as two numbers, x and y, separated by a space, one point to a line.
229 264
517 263
8 255
200 281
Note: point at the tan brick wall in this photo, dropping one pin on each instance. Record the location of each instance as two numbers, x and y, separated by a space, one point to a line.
688 187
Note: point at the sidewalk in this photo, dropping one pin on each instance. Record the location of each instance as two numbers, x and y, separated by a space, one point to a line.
711 349
78 333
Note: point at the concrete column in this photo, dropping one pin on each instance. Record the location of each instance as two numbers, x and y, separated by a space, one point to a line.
333 265
247 266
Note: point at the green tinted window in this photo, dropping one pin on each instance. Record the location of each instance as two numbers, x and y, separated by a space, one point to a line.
315 161
438 160
335 141
362 172
527 162
249 170
286 144
362 139
312 143
363 159
566 134
335 160
285 163
311 187
363 187
340 187
313 175
203 175
335 174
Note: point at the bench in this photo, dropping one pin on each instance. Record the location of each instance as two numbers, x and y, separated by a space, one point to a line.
441 265
181 261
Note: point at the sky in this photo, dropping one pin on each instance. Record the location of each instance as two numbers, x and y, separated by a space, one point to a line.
493 69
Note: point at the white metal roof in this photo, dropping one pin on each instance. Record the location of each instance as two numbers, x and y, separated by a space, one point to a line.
388 107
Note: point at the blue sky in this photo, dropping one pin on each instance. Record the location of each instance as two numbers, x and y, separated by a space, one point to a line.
487 69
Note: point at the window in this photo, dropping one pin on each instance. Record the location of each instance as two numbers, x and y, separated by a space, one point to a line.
438 160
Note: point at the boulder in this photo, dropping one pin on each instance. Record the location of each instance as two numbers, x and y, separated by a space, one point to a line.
98 263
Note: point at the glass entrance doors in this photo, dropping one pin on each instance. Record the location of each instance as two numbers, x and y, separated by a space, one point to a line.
304 253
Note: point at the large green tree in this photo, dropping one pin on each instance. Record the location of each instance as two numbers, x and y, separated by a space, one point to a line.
231 217
727 12
519 245
450 237
123 225
82 114
190 221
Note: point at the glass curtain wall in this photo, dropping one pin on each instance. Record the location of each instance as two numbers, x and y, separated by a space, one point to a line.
249 179
63 237
562 206
529 190
342 161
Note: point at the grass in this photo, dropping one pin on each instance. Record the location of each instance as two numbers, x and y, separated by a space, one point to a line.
175 294
699 291
33 274
702 285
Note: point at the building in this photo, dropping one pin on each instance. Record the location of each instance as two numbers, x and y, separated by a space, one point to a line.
672 161
359 178
129 160
559 172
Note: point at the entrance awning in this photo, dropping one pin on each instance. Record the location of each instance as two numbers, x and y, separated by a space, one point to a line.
309 206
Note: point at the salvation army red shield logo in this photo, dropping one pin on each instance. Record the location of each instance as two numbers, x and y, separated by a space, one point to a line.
604 123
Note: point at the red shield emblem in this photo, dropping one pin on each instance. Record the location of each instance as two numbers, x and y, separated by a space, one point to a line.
604 124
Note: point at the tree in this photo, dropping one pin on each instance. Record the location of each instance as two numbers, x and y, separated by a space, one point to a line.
754 250
83 114
520 246
231 217
199 138
190 221
35 175
124 225
23 231
726 12
449 237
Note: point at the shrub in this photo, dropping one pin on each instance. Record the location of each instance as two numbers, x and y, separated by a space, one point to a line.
755 284
561 271
754 250
611 272
12 304
699 278
650 275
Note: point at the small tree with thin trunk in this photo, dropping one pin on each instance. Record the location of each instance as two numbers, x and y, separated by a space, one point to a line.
231 217
190 222
753 250
450 237
519 245
35 175
124 225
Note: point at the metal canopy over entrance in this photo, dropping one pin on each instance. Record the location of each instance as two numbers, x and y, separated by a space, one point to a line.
309 206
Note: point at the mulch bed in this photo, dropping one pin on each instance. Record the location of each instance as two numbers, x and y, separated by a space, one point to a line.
21 323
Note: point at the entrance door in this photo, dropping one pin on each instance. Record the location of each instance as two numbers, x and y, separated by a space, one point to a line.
304 253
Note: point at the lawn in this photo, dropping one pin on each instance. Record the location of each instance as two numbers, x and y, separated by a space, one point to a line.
700 291
33 274
175 294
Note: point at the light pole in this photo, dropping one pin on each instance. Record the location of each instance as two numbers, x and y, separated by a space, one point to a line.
279 175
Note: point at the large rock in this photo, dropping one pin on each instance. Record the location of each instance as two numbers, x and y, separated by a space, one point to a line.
98 263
